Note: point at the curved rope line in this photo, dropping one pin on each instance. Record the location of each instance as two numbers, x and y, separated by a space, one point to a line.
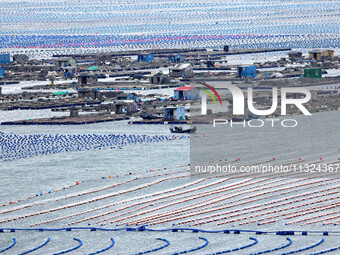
72 249
164 246
105 249
304 249
9 247
275 249
237 249
195 249
208 92
156 249
36 248
326 251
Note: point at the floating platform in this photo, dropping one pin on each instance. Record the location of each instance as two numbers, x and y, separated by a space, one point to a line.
166 122
68 120
159 122
8 82
43 105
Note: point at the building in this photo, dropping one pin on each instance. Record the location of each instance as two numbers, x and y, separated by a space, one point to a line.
96 93
246 71
2 72
126 107
320 54
145 57
210 64
313 73
174 113
5 59
103 59
20 58
186 93
128 96
74 112
159 78
182 70
86 78
87 93
70 71
176 58
295 56
65 61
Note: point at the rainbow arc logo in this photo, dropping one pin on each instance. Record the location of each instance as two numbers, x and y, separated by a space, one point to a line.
210 94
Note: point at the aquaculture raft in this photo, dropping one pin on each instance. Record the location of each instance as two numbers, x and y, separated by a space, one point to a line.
68 120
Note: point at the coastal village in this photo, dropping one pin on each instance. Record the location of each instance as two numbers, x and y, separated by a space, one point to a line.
125 85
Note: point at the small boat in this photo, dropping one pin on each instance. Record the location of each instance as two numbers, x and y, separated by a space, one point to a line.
180 130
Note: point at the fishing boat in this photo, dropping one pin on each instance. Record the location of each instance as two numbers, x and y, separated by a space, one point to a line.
180 130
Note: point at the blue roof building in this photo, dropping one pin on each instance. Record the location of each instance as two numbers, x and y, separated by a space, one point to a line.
129 96
5 59
176 58
145 57
246 71
174 113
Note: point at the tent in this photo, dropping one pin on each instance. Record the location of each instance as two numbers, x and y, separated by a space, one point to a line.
59 93
277 75
93 68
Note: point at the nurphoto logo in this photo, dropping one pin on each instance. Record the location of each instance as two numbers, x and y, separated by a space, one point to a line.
239 104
